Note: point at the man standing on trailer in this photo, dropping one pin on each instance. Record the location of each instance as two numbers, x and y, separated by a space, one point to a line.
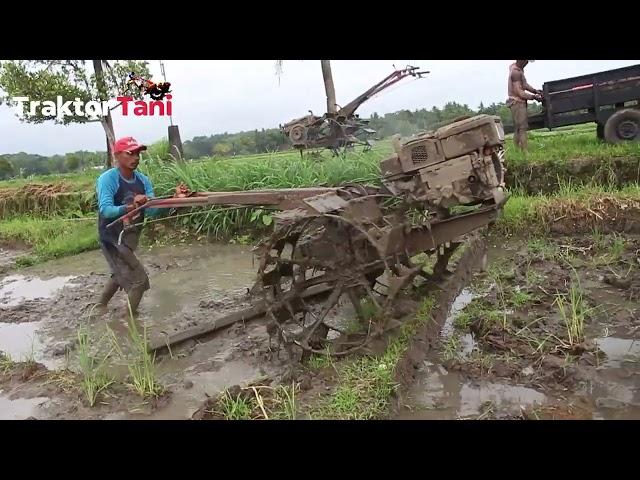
518 89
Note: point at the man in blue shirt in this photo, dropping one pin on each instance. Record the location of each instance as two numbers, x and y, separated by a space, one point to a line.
120 190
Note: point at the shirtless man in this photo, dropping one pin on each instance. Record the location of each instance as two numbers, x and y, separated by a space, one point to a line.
517 101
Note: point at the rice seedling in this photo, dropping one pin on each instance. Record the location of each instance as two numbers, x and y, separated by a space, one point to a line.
6 363
451 347
94 379
574 311
287 407
140 362
520 298
235 408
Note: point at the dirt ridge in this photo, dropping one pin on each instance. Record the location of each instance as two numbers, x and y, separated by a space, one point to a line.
427 336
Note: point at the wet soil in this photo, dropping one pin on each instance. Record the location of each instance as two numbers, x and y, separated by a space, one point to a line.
498 347
43 307
506 352
9 253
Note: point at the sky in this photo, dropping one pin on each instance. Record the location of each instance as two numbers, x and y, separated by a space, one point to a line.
211 96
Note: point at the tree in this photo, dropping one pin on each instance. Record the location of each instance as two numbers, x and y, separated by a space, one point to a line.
453 110
222 149
71 162
45 80
6 169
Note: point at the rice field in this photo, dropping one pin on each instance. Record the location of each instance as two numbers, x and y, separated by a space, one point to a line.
60 219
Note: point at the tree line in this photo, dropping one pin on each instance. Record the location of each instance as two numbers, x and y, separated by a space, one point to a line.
20 165
403 122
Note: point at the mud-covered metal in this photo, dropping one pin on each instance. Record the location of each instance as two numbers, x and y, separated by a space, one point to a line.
343 128
355 243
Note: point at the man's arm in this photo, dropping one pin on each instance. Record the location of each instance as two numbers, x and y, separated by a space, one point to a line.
106 189
518 80
529 88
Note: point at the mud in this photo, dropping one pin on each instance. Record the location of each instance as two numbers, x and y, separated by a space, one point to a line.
8 256
506 352
15 289
44 306
497 348
19 409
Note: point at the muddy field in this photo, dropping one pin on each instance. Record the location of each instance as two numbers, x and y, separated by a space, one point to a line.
549 332
43 307
505 350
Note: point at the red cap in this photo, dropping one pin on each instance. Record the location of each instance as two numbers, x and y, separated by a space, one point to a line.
128 144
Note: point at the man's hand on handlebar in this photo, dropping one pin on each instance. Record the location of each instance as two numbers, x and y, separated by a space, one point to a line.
139 200
182 191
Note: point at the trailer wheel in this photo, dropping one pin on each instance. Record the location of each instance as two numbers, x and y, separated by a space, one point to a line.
623 126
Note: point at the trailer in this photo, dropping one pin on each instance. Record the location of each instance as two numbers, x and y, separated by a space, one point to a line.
611 99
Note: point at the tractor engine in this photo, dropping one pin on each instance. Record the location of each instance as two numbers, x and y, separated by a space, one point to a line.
458 164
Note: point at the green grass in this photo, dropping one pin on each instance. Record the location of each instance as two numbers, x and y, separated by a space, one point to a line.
235 408
259 403
543 248
94 377
366 384
50 237
617 248
450 348
573 311
536 213
483 360
533 277
140 362
562 145
318 362
519 298
6 363
288 170
80 181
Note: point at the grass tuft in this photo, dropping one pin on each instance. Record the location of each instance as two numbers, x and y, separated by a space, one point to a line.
94 379
140 362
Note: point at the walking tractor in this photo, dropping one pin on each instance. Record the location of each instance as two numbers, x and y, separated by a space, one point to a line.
356 241
342 128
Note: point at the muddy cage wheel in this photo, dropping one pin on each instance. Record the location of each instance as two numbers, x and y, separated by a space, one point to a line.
298 133
333 254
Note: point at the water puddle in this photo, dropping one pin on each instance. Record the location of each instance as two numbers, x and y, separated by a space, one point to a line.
465 297
15 289
203 273
21 342
440 394
186 401
619 350
20 408
467 342
443 395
